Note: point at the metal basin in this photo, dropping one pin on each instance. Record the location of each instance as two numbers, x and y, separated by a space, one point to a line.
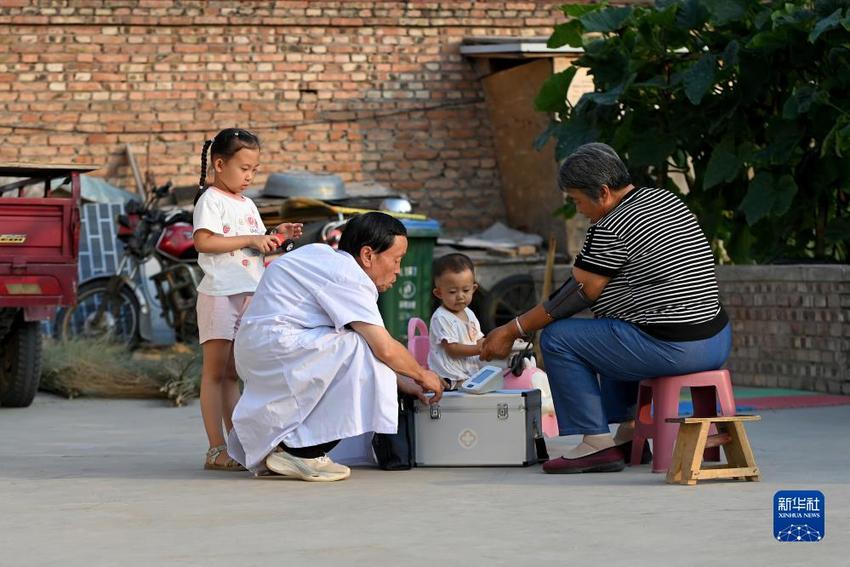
323 186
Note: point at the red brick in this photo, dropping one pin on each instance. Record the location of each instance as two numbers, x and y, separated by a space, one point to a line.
184 72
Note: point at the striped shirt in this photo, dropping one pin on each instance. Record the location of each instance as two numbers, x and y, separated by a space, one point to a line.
660 264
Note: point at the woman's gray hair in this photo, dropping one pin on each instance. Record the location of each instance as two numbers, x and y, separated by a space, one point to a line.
590 167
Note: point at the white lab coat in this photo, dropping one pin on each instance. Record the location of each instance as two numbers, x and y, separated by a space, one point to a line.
308 379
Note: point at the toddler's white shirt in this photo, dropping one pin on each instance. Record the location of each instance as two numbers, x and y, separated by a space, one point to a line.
229 215
446 325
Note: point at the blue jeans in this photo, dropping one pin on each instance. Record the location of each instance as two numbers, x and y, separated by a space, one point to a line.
595 365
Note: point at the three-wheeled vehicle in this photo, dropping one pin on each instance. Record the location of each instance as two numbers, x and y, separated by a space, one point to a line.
39 244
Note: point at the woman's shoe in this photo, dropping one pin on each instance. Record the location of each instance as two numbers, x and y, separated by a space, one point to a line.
229 464
606 460
645 456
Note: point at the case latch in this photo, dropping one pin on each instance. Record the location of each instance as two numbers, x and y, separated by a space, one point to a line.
434 411
502 411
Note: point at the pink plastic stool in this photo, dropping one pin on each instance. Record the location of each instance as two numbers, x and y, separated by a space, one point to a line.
662 395
523 382
418 344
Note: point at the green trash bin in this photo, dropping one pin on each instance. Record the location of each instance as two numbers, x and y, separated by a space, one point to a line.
410 295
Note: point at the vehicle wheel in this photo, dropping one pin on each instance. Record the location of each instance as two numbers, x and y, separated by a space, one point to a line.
119 321
505 300
187 329
20 364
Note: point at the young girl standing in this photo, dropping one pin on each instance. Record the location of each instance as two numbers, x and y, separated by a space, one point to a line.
231 241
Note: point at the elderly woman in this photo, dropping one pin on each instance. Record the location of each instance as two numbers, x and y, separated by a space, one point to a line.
647 272
318 364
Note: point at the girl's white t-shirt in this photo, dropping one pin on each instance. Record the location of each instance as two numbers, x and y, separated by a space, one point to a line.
226 214
447 326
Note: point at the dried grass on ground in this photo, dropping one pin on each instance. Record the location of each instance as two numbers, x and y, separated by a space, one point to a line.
93 368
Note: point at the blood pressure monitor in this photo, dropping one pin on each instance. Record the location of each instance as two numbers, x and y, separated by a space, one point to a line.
485 380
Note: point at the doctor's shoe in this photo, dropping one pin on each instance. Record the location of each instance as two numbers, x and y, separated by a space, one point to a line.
324 463
320 469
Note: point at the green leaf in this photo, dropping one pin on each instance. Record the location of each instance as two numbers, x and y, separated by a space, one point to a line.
541 140
661 17
650 148
783 195
791 15
722 166
611 96
606 20
567 210
573 133
784 138
768 196
826 24
745 152
578 10
730 54
762 18
725 11
838 229
801 101
553 94
770 39
699 78
838 138
835 140
654 152
656 82
566 34
758 201
825 172
692 15
740 246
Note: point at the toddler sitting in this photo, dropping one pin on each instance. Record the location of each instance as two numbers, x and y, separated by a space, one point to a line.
455 333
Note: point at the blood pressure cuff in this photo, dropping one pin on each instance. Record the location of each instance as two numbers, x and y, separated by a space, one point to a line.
567 300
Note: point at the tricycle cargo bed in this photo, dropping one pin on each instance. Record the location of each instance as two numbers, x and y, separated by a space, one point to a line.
39 285
37 230
39 237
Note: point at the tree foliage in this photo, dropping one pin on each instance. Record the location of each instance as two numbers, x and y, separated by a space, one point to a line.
747 101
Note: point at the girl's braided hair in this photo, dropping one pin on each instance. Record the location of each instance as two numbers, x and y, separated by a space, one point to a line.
225 145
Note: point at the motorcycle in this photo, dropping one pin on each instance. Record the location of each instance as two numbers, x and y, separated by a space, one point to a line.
112 307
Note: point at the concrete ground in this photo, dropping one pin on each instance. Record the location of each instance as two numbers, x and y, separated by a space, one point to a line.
93 482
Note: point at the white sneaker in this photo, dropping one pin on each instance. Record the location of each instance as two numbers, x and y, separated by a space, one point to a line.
324 463
320 469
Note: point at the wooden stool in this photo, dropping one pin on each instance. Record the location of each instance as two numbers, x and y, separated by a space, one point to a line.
686 466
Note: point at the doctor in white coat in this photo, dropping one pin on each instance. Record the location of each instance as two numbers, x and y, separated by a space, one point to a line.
317 362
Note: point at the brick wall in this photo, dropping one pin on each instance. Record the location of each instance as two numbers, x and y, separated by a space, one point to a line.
368 90
791 326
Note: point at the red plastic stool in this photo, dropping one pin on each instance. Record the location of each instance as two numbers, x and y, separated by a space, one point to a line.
662 396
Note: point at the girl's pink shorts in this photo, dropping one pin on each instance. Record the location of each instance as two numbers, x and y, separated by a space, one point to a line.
219 315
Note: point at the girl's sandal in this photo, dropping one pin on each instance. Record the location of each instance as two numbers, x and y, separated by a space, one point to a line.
229 465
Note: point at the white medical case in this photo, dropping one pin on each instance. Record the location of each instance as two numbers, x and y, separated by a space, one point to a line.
501 428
